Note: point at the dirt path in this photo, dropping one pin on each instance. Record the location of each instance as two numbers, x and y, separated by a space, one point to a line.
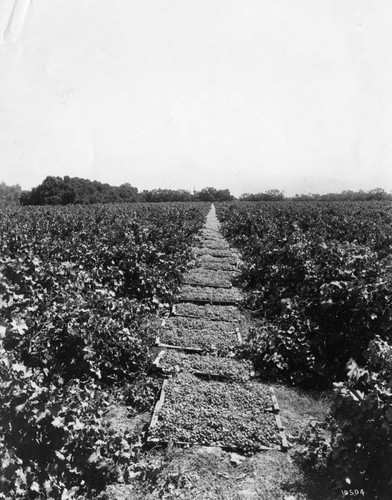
211 398
211 406
212 222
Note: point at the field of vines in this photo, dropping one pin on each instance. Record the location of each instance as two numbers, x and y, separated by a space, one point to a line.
79 290
318 278
78 286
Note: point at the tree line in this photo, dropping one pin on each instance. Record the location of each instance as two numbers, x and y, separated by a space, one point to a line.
276 195
74 190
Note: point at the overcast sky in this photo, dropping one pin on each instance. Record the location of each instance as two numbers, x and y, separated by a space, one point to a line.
244 94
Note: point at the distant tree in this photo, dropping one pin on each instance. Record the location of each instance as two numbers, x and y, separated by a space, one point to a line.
9 195
378 194
74 190
224 195
211 194
276 195
127 193
270 195
25 198
207 194
162 195
348 195
306 197
52 191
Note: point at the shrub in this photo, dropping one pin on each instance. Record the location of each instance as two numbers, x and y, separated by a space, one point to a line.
362 443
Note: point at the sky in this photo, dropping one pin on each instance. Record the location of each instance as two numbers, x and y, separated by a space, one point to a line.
248 95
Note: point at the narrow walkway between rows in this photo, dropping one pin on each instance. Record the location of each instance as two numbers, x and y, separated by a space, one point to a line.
210 396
